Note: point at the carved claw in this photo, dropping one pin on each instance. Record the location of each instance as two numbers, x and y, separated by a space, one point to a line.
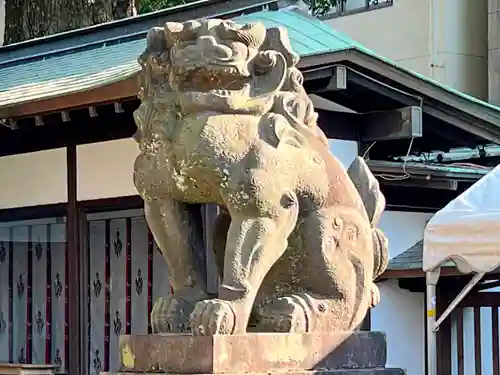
213 317
171 314
283 315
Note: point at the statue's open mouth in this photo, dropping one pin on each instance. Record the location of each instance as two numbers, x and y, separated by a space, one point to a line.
217 80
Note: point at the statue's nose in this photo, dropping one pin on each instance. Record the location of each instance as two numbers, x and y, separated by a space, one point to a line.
210 48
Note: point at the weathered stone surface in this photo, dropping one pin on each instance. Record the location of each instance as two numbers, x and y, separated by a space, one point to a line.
224 119
189 354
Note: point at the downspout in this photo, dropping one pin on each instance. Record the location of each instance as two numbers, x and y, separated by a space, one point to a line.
433 37
432 277
3 20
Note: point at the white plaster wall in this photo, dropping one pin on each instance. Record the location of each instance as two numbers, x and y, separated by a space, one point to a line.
446 40
400 313
33 179
105 169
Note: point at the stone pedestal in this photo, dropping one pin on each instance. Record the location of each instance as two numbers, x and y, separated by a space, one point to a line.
358 353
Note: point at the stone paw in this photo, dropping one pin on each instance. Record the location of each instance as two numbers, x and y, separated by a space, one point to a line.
213 317
171 314
375 295
285 314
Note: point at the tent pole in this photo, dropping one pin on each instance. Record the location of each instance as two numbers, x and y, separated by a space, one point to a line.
431 279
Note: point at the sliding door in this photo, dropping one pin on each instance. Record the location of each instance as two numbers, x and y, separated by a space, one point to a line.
126 274
33 290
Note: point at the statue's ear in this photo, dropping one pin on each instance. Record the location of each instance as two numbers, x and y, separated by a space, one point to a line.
277 39
176 31
155 41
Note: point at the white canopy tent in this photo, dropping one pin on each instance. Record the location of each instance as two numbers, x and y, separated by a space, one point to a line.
467 232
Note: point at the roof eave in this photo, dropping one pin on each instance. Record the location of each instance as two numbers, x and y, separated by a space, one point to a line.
481 120
113 92
486 122
125 89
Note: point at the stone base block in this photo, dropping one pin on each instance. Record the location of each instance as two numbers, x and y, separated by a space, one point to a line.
254 353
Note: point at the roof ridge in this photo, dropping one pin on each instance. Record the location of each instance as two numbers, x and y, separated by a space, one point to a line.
104 25
236 6
74 49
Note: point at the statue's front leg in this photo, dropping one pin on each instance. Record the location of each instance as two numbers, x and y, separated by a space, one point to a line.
177 229
255 241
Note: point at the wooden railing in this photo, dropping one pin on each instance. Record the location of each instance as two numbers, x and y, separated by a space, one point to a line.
473 337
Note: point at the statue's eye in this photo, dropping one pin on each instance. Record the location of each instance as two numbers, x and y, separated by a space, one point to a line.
210 80
214 79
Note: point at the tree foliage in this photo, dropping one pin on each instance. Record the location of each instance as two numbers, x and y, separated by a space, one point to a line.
322 7
28 19
318 7
37 18
146 6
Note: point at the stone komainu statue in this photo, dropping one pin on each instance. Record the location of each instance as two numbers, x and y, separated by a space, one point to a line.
224 119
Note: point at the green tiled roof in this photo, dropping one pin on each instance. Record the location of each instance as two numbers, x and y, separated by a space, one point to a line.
67 73
411 259
102 64
309 36
82 68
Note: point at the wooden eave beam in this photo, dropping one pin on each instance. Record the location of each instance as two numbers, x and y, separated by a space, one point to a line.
422 182
466 114
384 125
402 123
106 94
122 90
416 273
80 128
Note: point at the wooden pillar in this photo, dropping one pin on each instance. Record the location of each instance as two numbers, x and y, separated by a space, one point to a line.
426 351
443 299
209 213
74 270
